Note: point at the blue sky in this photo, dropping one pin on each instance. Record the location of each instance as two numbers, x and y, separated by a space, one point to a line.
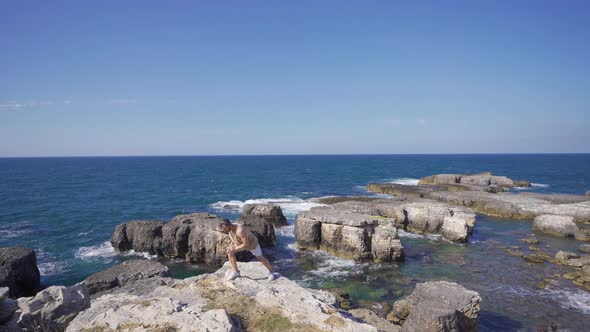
82 78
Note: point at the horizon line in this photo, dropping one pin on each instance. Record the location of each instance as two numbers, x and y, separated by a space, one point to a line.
297 154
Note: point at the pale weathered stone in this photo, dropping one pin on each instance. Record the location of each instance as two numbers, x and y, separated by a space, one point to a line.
126 272
439 306
184 305
564 255
348 234
52 308
555 224
270 212
296 303
584 248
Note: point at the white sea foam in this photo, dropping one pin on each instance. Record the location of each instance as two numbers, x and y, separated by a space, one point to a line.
51 268
403 233
103 250
106 251
291 206
533 185
145 255
567 298
521 188
333 266
406 181
571 299
14 230
285 231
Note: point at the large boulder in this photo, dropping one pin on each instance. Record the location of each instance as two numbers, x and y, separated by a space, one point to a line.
269 212
454 224
348 234
124 273
194 237
139 235
51 309
410 214
438 306
19 272
555 225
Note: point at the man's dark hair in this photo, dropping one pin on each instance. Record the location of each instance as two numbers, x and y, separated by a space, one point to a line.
225 221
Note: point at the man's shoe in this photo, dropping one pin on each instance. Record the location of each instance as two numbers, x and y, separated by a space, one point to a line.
272 276
233 275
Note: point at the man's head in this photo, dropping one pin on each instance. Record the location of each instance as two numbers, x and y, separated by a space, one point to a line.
225 226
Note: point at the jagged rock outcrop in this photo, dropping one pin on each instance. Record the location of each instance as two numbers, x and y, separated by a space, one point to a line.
194 237
348 234
269 212
50 310
211 303
436 307
560 226
367 230
19 272
504 204
261 219
124 273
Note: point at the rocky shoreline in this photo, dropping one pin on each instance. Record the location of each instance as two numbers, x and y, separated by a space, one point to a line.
140 295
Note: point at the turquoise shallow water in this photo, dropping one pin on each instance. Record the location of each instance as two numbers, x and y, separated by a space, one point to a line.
67 208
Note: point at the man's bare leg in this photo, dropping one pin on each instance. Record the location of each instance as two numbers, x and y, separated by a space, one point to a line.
233 261
265 262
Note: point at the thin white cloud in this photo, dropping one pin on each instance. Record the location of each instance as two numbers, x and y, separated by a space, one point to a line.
421 122
393 122
12 105
121 101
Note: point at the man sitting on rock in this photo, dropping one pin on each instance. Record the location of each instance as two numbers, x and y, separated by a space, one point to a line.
243 239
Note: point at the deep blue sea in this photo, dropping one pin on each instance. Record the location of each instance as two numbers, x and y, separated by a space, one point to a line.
67 208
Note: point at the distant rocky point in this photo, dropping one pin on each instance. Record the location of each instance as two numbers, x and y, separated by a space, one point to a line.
484 194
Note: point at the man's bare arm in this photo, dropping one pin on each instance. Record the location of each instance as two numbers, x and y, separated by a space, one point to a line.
240 234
